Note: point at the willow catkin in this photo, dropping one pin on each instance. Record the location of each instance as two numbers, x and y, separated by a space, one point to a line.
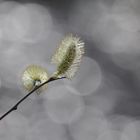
34 76
68 56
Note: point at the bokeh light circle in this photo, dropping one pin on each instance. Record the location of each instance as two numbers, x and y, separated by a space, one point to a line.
91 124
88 78
132 130
44 129
112 135
35 20
62 106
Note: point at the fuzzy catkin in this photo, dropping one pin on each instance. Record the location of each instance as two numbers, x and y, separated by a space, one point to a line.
68 56
34 76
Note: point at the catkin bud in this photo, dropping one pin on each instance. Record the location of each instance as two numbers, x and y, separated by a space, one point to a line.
68 56
34 76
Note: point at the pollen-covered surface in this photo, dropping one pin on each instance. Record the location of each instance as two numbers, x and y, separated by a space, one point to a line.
68 56
34 76
67 61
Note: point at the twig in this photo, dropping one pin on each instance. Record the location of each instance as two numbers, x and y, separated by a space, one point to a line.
22 99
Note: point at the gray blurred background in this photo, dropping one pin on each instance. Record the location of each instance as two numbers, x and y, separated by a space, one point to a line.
102 102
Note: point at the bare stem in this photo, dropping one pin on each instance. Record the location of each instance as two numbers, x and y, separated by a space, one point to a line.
22 99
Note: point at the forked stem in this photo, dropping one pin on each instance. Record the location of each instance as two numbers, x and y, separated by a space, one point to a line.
22 99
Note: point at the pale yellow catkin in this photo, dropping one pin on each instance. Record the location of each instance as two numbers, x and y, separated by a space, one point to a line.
34 75
68 56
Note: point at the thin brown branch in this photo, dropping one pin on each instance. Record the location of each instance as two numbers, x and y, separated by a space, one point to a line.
22 99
